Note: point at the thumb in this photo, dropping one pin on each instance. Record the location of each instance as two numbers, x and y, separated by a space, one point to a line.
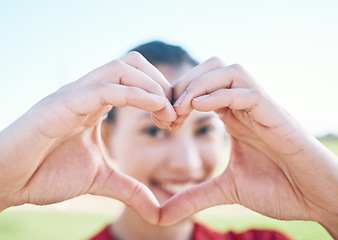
114 184
214 192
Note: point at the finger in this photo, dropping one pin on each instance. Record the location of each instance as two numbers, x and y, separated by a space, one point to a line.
207 83
97 96
253 102
75 108
100 95
175 125
113 184
236 99
164 117
205 67
133 77
129 76
118 72
211 193
136 60
233 76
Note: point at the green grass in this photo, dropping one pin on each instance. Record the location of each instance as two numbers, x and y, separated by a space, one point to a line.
18 225
331 143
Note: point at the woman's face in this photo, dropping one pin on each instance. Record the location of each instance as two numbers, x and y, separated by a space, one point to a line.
164 160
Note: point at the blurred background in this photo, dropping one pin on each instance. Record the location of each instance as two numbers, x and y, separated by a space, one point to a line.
289 46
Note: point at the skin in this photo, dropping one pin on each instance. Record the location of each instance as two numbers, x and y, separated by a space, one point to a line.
276 168
54 151
165 161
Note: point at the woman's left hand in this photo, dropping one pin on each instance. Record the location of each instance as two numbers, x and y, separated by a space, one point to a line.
276 168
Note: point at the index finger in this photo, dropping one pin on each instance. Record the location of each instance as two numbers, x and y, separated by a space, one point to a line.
164 117
209 65
128 70
136 60
179 88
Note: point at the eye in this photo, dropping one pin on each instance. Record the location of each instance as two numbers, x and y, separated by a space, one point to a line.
154 132
204 130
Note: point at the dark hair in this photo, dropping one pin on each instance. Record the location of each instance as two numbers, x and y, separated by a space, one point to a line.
157 52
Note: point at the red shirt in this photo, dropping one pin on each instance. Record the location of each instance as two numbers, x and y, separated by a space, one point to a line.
201 232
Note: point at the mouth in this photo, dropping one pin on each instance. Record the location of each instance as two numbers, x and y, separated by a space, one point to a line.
171 187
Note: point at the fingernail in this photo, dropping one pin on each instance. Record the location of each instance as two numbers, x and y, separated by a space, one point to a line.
172 114
173 127
171 107
201 98
180 99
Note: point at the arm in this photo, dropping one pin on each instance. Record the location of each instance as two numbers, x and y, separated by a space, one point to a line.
53 152
331 225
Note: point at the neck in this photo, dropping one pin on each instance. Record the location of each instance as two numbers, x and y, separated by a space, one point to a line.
130 226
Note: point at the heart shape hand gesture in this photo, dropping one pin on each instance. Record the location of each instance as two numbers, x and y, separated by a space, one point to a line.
54 152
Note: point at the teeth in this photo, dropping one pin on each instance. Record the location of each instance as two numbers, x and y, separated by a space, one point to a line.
175 188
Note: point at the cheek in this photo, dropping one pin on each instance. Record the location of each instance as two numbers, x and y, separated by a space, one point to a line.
211 155
141 161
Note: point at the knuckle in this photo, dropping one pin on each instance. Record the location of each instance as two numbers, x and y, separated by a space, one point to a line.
117 63
136 56
191 199
237 68
254 99
137 189
99 86
256 95
217 62
158 90
255 92
67 86
132 91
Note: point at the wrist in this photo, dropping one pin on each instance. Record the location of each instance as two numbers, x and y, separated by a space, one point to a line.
3 206
331 225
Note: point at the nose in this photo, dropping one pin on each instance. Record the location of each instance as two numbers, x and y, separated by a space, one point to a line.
185 158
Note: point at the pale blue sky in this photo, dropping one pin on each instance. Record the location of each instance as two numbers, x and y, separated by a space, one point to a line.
291 47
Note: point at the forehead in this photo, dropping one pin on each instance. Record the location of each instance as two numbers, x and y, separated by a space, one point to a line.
172 74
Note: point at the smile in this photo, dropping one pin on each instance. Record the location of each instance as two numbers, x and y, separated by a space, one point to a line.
173 188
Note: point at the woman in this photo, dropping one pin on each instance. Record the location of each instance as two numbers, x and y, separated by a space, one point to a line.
166 161
54 151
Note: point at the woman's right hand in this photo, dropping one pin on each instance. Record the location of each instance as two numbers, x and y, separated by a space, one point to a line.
54 151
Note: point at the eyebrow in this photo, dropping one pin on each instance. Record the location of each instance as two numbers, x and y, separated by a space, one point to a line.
198 121
205 118
144 115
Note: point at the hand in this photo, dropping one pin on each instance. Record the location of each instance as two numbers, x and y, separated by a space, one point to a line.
276 168
54 151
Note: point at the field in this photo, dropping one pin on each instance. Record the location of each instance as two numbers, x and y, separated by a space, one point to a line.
53 225
80 218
